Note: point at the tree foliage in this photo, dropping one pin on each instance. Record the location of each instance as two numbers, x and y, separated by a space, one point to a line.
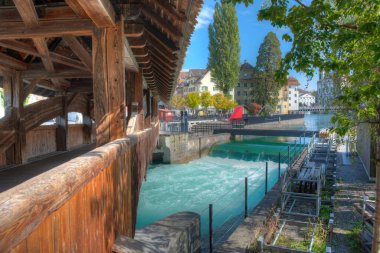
267 63
224 47
178 102
193 100
221 102
254 108
206 99
1 97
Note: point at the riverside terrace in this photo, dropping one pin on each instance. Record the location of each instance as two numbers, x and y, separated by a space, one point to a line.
98 58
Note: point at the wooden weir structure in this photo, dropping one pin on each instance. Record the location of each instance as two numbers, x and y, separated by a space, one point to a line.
112 61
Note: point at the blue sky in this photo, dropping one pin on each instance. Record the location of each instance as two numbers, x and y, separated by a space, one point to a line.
252 33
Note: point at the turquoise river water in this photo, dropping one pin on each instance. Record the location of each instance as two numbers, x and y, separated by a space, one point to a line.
218 179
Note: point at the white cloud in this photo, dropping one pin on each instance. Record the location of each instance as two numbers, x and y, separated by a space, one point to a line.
205 17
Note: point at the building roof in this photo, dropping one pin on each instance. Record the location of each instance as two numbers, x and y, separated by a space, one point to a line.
246 66
197 72
293 82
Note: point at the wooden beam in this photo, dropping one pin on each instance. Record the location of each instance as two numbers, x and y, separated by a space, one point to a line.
79 27
12 62
29 88
61 131
79 50
109 83
29 49
45 12
43 74
77 8
100 11
170 10
134 30
29 16
27 12
162 23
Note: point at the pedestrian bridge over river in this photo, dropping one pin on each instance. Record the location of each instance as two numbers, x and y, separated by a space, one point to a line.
111 61
261 132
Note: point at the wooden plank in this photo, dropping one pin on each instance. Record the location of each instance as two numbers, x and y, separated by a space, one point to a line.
79 27
79 50
100 11
62 239
41 240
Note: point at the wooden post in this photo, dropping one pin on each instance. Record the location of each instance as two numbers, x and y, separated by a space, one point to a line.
87 125
62 127
210 227
109 83
13 88
135 98
266 178
246 198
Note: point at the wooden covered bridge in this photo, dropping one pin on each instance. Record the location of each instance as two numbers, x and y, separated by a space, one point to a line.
111 61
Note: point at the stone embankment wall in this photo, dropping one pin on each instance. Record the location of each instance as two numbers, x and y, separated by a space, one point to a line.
278 124
182 148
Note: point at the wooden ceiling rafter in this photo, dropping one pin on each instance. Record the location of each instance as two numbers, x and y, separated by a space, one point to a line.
101 12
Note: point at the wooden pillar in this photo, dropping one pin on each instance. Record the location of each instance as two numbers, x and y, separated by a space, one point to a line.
135 98
87 125
62 127
13 102
109 83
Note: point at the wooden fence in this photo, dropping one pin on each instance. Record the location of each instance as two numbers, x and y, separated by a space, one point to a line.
81 205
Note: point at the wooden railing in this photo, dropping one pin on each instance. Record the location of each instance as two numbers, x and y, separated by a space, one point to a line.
81 205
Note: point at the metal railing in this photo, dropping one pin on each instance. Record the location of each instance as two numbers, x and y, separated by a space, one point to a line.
215 235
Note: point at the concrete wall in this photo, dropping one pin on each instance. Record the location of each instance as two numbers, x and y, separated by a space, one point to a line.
365 148
179 232
278 124
181 148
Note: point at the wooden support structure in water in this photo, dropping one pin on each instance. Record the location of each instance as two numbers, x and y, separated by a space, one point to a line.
111 61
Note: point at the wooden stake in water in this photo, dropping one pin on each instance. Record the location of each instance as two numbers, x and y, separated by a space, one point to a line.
210 226
279 165
246 198
266 178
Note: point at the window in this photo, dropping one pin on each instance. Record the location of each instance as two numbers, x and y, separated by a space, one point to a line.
238 85
245 85
238 93
290 92
290 104
295 101
251 85
245 93
204 88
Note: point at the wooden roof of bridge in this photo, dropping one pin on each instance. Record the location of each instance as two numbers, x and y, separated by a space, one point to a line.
49 41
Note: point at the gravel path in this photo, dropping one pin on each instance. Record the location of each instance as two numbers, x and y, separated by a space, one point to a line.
352 183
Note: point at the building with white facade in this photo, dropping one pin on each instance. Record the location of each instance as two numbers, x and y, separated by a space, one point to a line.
198 81
293 94
306 99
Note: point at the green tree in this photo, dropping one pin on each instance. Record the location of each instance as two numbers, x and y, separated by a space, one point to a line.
224 48
341 37
267 63
206 100
221 102
193 100
177 102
